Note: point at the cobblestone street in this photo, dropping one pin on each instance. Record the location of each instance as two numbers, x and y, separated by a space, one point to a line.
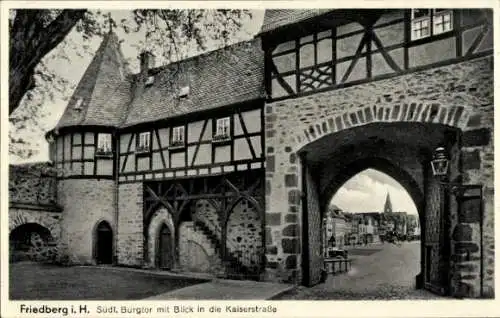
379 271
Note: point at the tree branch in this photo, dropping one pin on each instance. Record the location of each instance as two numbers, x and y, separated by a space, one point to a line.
29 44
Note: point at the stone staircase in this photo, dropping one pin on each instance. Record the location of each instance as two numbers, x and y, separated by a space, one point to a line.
191 235
234 267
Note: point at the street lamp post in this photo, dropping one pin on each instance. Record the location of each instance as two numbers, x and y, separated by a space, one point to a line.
440 163
462 193
440 166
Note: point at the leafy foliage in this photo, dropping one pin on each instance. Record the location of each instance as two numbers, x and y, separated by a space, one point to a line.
42 40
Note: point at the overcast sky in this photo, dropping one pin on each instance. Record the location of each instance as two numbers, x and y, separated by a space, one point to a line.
365 192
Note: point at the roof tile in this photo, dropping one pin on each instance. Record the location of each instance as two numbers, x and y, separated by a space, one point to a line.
277 18
223 77
103 88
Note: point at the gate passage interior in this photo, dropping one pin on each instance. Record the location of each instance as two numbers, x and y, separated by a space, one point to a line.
403 151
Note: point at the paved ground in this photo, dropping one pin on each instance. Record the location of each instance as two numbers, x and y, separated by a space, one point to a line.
32 281
227 290
379 271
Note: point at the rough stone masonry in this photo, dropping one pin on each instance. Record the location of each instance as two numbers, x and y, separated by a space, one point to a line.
458 95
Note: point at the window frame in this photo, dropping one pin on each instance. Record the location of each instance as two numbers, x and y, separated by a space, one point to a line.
144 148
102 152
175 142
430 19
225 134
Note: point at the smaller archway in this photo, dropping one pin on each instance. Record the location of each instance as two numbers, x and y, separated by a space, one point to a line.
165 255
244 238
31 241
160 218
103 243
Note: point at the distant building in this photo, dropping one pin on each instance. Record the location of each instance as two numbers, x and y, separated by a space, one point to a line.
336 228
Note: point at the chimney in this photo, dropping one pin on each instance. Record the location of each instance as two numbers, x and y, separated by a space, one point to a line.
146 62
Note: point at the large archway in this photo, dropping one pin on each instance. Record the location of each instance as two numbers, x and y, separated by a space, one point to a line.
375 221
401 150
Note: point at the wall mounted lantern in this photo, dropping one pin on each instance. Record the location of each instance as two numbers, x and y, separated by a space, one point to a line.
440 162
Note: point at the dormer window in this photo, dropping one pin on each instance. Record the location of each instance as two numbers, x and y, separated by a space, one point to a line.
104 145
183 91
429 22
177 137
222 131
78 104
143 142
150 80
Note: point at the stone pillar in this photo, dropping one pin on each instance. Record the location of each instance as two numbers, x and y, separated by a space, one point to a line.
130 239
282 218
466 248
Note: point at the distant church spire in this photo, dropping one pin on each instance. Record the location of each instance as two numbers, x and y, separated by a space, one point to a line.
388 204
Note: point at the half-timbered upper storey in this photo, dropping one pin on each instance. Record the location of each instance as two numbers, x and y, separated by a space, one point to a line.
204 115
199 116
309 51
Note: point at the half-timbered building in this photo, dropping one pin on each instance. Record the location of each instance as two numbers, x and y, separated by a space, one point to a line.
225 162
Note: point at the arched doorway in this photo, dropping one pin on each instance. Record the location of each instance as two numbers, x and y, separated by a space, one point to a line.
165 253
104 243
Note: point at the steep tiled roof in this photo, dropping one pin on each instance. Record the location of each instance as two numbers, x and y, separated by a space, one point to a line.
223 77
274 19
103 88
111 98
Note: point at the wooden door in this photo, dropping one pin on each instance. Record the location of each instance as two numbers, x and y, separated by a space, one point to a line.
436 241
165 253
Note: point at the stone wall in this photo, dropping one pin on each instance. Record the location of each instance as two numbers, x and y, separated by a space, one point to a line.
196 253
33 184
130 241
86 203
283 206
244 234
458 95
205 212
